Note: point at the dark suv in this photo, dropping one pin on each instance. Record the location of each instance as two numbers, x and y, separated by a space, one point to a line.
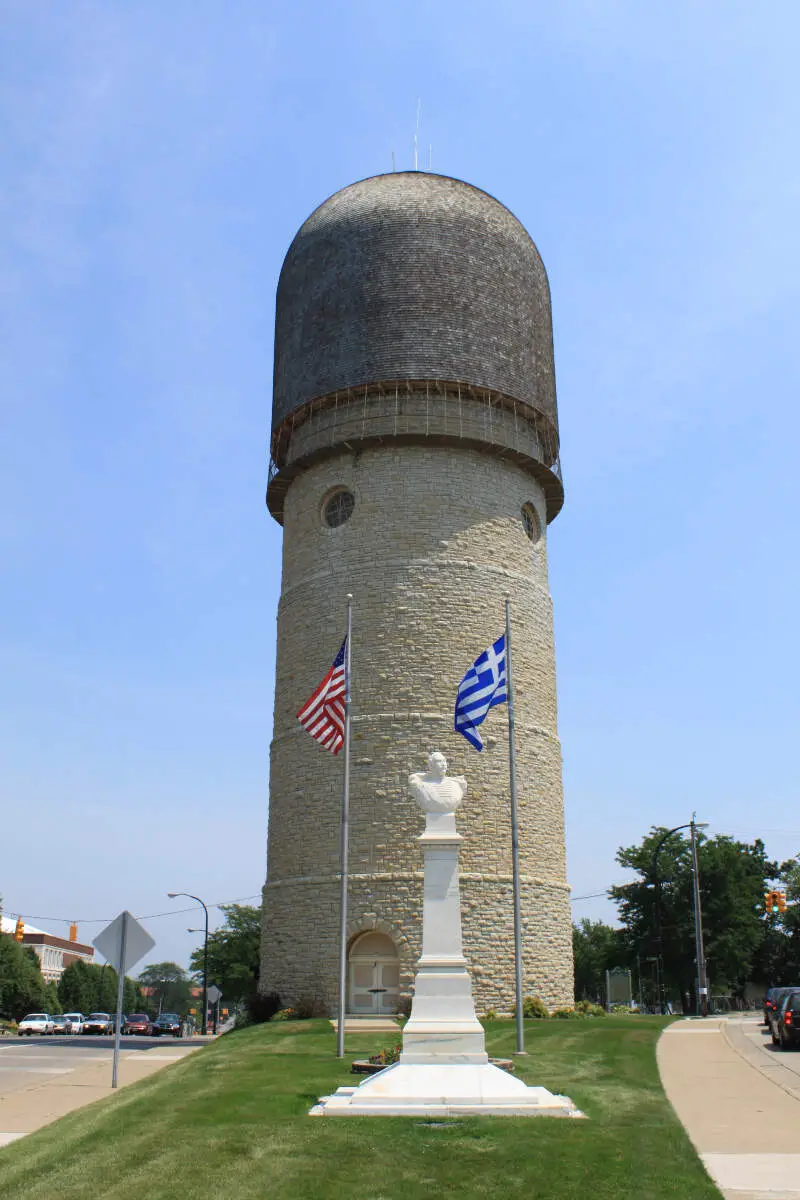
784 1022
773 998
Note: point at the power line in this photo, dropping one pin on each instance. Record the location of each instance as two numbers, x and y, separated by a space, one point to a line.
147 917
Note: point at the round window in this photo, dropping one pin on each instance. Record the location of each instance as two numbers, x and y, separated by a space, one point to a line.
530 520
338 508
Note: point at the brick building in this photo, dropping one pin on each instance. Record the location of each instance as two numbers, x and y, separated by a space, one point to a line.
55 953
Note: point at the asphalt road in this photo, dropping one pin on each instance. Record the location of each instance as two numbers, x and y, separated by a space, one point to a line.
759 1038
28 1060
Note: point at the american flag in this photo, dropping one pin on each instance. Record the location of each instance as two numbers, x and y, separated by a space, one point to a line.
323 714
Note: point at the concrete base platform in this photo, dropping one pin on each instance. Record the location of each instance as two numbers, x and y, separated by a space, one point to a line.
443 1090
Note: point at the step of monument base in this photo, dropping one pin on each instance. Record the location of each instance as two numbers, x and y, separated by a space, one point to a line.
444 1090
367 1025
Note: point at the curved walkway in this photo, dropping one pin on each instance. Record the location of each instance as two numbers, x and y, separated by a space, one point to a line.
738 1101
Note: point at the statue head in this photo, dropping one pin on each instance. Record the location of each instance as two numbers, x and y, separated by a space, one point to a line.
437 764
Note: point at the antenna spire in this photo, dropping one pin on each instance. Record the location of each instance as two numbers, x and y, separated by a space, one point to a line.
416 135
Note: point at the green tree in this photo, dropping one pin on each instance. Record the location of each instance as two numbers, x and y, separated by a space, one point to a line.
234 952
22 988
88 987
596 948
167 988
78 989
733 878
51 1001
132 998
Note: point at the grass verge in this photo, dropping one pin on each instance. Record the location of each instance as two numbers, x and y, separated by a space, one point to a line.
230 1123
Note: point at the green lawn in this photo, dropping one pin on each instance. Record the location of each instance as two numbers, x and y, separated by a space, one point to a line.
230 1123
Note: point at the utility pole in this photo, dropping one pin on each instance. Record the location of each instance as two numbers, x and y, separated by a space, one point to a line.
702 981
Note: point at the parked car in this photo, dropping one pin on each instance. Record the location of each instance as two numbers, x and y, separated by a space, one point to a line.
35 1023
98 1023
137 1023
61 1025
167 1023
773 998
785 1022
76 1021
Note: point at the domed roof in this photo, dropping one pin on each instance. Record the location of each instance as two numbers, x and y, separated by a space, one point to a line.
412 276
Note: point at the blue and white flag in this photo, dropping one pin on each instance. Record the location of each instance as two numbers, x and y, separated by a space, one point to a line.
483 686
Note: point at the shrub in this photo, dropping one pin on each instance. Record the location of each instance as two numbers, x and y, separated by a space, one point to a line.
622 1010
585 1008
310 1006
285 1014
533 1008
490 1015
260 1007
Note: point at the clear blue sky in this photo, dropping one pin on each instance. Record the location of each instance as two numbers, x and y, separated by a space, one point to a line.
157 160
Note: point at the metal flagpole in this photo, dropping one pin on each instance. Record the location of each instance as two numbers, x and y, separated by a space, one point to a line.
512 770
344 842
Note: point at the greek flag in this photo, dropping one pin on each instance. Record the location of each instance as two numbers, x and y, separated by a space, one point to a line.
483 686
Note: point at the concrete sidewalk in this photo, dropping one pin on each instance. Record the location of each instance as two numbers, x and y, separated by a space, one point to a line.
49 1098
736 1102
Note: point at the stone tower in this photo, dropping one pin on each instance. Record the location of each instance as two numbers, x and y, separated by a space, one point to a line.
414 464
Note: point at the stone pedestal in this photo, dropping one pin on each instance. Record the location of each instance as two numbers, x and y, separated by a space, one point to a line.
442 1021
444 1069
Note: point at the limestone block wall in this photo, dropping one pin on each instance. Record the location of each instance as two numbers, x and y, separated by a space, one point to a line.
435 542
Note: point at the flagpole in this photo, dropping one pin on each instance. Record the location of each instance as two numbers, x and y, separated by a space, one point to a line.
512 770
344 841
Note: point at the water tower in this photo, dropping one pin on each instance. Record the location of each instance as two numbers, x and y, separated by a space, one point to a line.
415 464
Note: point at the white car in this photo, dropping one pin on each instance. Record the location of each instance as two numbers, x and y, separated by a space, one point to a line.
38 1023
76 1021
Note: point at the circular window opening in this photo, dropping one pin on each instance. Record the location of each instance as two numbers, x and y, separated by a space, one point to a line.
530 520
338 508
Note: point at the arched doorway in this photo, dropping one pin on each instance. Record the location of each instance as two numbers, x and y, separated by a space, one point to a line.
374 975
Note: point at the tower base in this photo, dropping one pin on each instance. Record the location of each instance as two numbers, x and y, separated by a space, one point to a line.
443 1090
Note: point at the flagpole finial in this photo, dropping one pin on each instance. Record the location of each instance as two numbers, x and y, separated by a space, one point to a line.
349 596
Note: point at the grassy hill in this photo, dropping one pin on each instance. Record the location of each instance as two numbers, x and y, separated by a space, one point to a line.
230 1123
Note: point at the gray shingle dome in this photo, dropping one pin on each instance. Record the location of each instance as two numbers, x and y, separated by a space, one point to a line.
412 276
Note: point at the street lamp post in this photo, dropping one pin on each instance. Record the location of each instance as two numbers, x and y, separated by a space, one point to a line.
189 896
693 826
701 998
196 931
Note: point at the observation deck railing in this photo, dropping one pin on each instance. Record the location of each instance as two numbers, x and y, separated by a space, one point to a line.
412 411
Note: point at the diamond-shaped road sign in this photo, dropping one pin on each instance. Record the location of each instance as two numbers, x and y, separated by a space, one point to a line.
214 994
137 942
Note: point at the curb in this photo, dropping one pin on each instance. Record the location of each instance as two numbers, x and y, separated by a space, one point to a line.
775 1072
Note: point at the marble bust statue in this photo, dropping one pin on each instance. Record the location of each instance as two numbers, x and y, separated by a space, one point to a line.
434 790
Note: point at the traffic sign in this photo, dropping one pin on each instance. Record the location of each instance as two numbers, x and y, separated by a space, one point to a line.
214 994
124 930
122 943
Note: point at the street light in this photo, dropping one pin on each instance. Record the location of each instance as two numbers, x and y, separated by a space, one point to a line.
189 896
702 986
